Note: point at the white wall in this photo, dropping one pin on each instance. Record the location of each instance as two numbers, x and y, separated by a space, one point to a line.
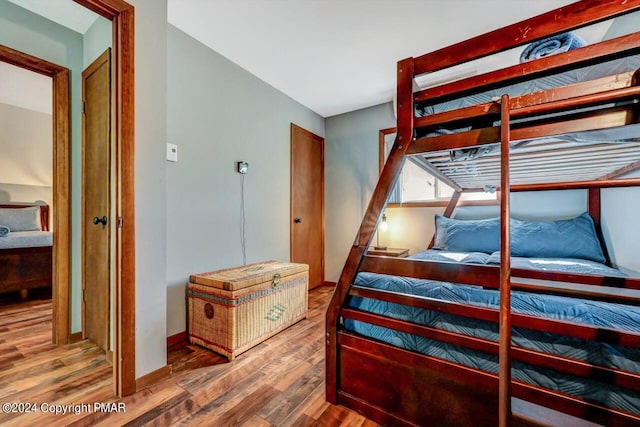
351 173
150 183
218 114
621 226
96 40
26 163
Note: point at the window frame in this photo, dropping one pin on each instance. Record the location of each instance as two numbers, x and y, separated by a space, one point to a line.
382 155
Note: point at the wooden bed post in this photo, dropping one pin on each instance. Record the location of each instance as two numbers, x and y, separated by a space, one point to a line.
504 391
594 207
378 201
448 211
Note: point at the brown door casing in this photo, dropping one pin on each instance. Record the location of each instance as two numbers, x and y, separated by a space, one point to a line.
307 202
122 14
96 188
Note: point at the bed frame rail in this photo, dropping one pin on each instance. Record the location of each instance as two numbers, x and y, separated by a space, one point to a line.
487 275
570 17
402 390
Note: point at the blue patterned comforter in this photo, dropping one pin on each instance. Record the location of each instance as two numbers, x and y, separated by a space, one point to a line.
606 315
563 265
590 72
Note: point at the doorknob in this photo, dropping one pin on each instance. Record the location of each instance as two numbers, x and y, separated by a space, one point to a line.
102 220
297 220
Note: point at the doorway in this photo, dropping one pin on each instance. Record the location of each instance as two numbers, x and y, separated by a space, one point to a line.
307 202
61 183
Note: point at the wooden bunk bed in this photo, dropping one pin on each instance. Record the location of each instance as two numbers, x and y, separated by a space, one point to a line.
582 135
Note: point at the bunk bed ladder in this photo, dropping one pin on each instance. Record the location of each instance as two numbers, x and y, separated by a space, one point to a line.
504 389
364 237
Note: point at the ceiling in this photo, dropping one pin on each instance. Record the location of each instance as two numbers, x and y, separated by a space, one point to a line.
335 56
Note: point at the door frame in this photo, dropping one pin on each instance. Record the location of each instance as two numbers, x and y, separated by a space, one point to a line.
293 128
121 14
61 184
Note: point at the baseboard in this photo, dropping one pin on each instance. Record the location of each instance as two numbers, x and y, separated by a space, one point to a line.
75 337
153 377
109 355
334 284
177 341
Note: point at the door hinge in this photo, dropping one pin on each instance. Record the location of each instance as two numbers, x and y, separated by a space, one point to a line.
120 221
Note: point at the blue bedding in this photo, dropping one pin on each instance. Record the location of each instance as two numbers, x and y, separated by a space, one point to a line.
565 238
606 315
562 265
591 72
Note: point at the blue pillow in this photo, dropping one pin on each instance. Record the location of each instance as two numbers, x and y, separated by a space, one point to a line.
482 235
570 238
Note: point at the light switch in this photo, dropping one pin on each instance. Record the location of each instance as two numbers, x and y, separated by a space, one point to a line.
172 152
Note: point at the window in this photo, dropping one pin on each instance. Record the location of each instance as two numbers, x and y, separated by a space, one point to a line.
416 183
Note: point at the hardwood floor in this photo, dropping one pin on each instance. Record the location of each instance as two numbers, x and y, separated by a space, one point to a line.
277 383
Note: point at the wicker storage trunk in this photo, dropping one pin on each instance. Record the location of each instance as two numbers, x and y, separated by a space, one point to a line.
232 310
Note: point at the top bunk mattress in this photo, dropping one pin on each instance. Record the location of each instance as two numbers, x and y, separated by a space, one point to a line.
26 239
591 72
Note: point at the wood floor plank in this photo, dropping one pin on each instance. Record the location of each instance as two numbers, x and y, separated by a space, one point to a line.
278 383
285 404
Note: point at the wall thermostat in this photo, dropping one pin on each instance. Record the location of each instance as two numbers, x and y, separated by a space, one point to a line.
172 152
242 167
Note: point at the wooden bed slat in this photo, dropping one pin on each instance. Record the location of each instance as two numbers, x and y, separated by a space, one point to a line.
535 358
612 118
582 94
557 21
457 396
484 275
574 406
560 327
480 275
599 52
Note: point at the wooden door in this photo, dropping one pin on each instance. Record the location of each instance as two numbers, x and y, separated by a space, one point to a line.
96 187
307 202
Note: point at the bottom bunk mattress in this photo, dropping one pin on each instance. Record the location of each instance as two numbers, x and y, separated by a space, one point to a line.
602 314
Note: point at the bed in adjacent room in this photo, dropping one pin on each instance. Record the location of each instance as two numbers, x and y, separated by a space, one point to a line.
26 247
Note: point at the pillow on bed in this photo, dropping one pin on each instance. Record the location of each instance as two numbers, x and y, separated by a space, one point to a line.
482 235
569 238
21 219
